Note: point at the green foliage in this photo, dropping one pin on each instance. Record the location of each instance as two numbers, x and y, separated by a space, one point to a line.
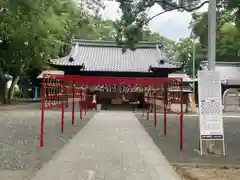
184 49
16 93
227 39
228 36
31 32
134 18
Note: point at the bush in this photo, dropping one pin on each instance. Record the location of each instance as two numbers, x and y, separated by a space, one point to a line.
17 93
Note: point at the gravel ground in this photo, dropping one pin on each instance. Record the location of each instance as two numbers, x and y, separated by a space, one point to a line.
20 154
209 174
210 167
169 145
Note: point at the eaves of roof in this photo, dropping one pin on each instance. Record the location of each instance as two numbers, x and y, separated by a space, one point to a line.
107 56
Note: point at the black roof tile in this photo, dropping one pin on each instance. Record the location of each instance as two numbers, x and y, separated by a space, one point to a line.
107 56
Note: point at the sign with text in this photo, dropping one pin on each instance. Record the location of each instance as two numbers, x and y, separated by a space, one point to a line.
210 105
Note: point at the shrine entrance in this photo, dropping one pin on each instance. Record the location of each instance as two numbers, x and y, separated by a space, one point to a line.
62 90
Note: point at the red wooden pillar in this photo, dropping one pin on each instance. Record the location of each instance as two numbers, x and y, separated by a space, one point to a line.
148 108
165 109
62 120
86 102
42 113
85 108
73 103
155 112
80 110
80 105
181 115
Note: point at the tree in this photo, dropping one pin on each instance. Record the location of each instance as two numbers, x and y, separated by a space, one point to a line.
228 43
184 49
227 40
31 32
168 45
96 28
134 18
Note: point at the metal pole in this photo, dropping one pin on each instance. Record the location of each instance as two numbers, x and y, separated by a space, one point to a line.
212 34
211 46
193 63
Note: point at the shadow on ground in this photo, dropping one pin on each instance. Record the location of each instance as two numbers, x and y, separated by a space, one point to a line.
169 145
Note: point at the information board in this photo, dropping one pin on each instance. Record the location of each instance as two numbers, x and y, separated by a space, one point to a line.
210 105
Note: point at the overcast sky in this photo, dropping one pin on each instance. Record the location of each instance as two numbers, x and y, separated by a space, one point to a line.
173 25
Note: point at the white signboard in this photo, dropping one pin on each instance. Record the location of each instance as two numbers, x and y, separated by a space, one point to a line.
210 106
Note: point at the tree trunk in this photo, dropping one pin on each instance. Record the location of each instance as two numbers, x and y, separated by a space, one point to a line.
3 91
11 89
24 92
3 88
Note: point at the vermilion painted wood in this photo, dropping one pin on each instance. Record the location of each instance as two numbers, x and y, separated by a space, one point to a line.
49 80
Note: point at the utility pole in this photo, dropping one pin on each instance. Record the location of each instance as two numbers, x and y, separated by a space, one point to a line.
211 49
212 34
194 61
193 103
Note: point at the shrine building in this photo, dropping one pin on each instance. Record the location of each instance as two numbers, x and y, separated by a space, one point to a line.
105 58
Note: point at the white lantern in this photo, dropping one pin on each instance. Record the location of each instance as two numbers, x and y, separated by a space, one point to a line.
94 99
145 98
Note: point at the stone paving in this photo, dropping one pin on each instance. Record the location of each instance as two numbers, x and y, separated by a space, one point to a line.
112 146
169 144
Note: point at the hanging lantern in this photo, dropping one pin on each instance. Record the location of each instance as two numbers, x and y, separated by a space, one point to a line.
84 95
146 99
94 99
81 95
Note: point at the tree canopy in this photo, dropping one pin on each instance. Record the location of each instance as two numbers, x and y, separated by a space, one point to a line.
135 18
227 39
31 32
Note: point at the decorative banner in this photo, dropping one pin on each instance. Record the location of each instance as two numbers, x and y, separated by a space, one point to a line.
210 105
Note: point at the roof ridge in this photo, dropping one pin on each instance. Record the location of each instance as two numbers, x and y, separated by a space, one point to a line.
105 43
223 62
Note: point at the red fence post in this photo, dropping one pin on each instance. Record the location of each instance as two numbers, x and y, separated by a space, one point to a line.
181 115
42 112
73 102
155 112
62 120
80 109
165 110
148 108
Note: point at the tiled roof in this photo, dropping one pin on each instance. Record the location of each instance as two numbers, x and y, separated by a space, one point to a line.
50 72
229 71
107 56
